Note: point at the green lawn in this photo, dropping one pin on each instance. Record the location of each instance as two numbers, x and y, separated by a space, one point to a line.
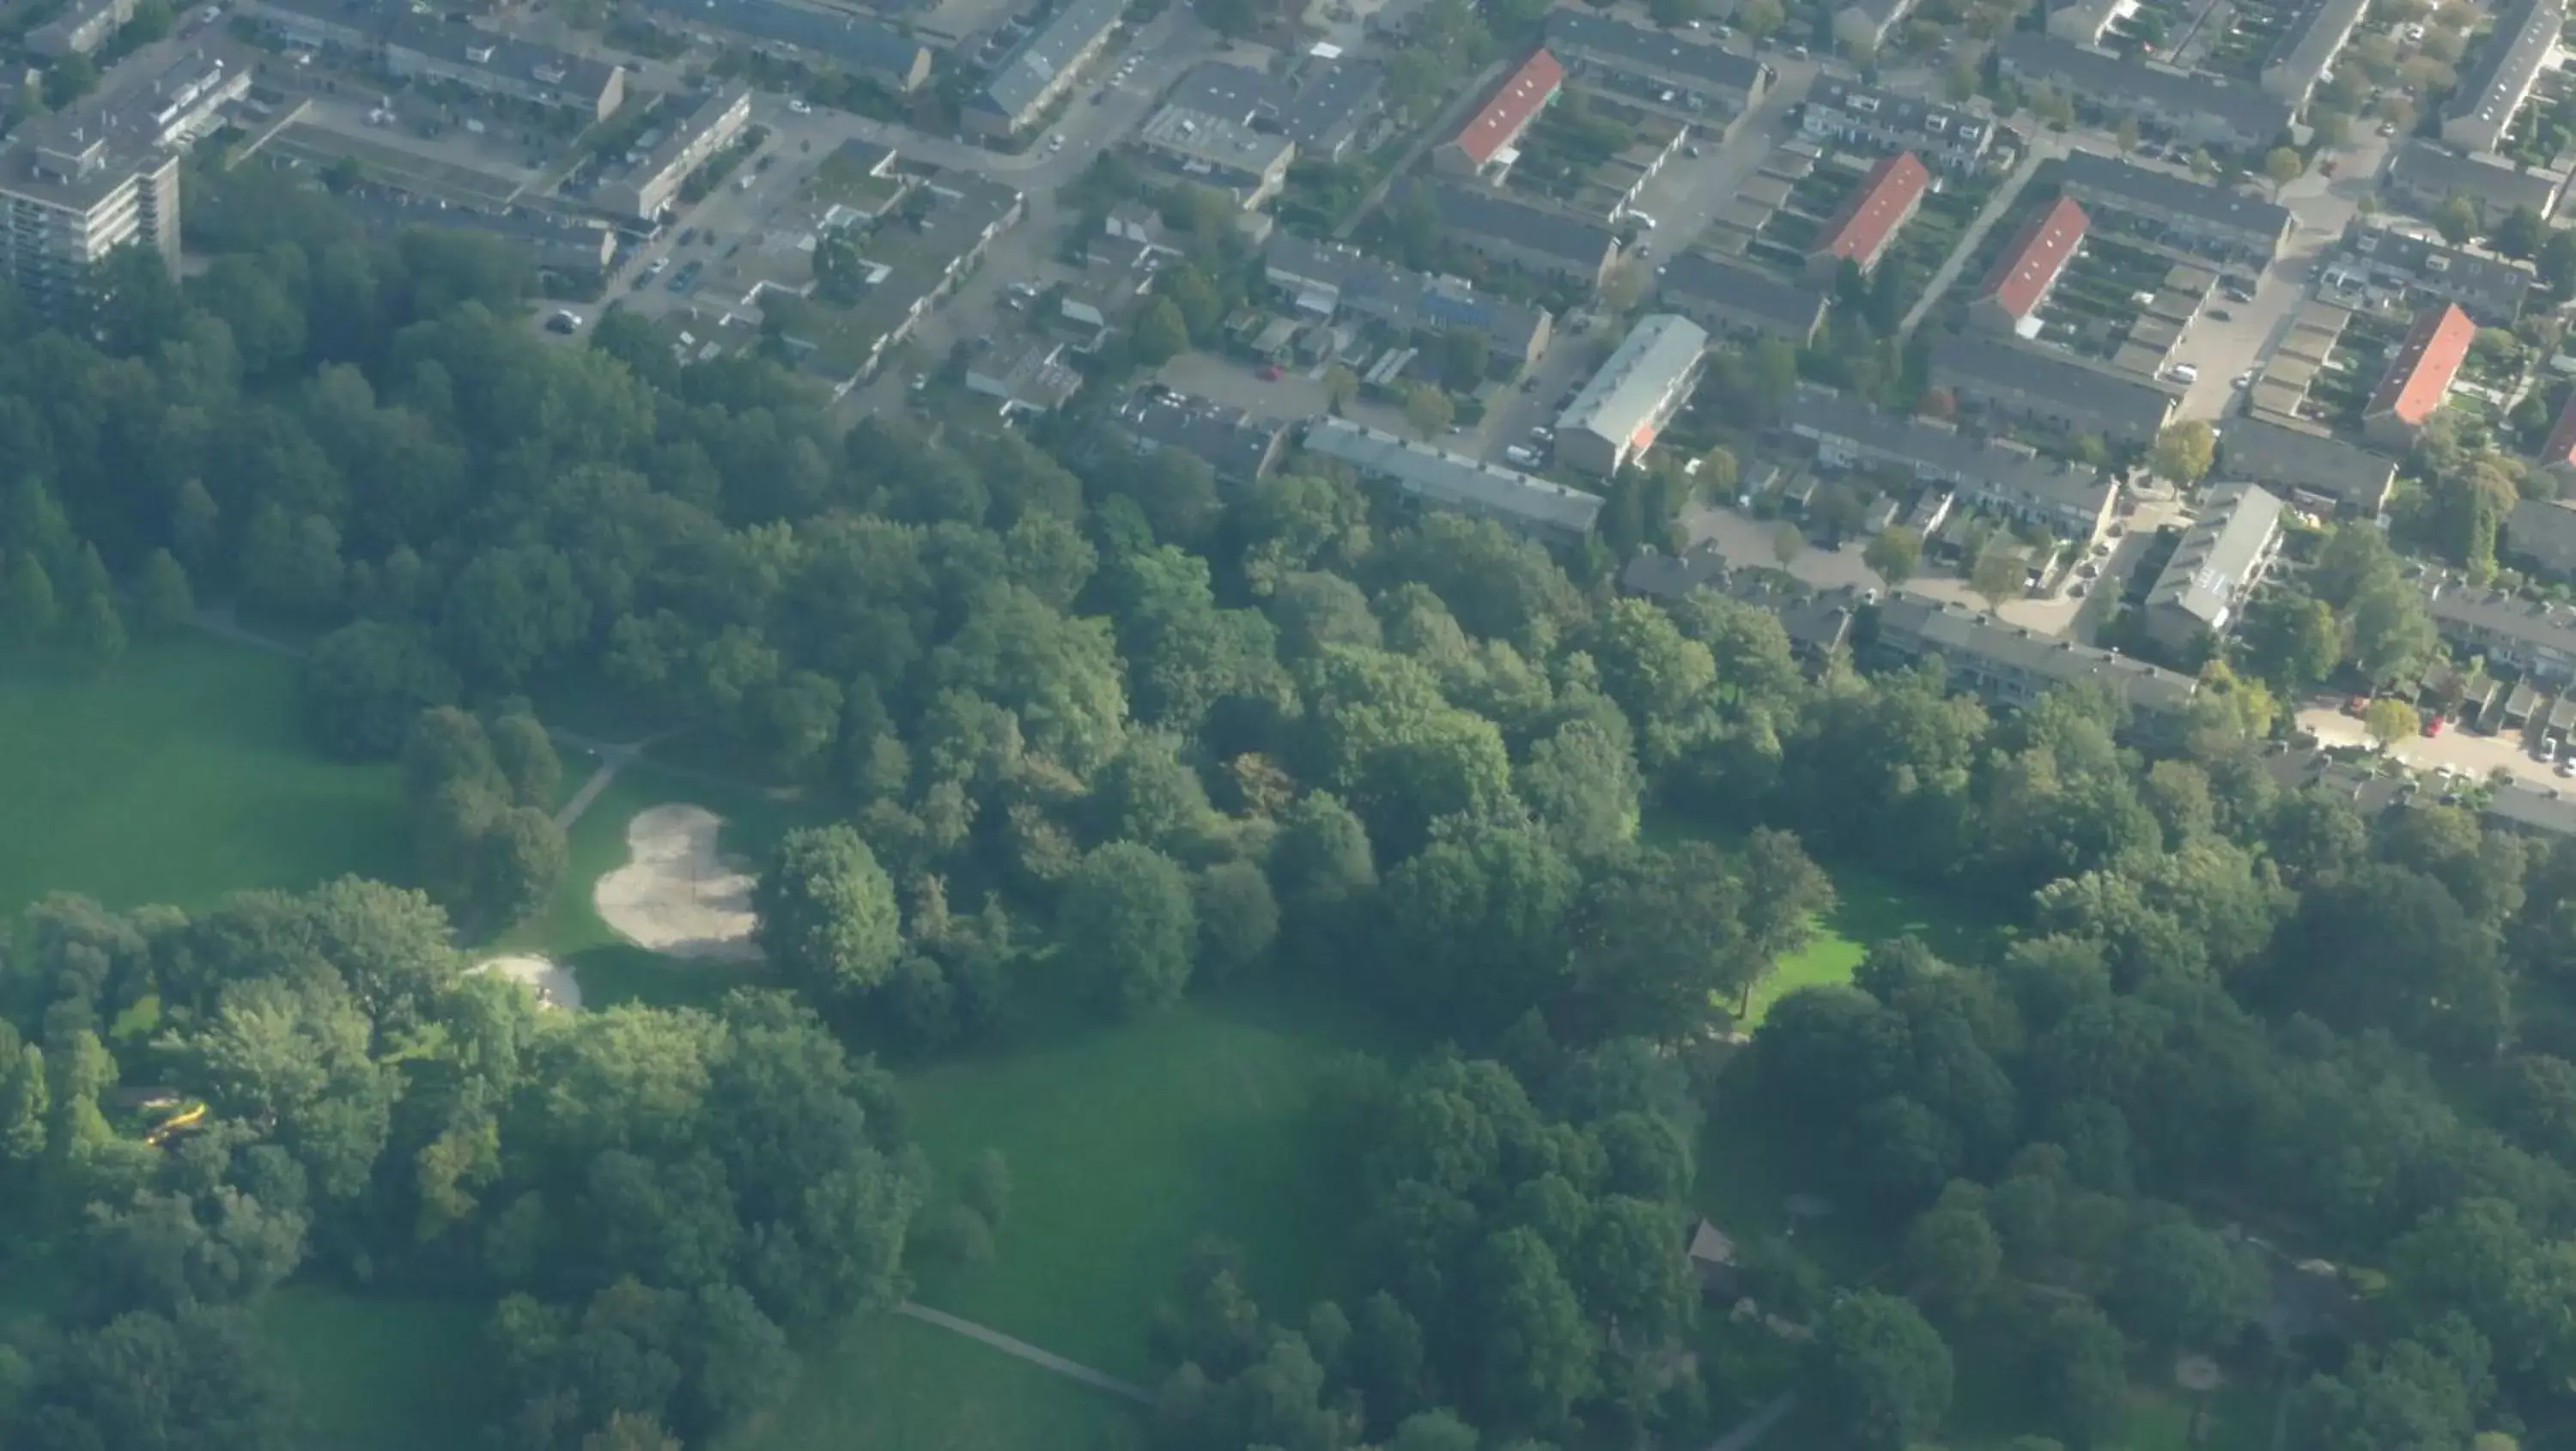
385 1373
181 773
1869 907
1126 1144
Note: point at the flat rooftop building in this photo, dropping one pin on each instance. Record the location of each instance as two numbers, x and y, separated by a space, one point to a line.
102 175
1434 478
2496 84
1216 152
1645 381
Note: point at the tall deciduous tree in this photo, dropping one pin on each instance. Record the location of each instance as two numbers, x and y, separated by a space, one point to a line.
1129 927
1879 1372
827 913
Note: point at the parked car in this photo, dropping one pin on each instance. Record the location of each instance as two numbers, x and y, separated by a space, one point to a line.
564 321
1519 455
1270 373
2433 723
2220 314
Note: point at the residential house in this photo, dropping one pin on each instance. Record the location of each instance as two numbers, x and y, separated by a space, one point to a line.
2177 211
1225 156
1711 1256
2316 470
1645 65
1736 301
1321 108
653 183
2204 586
2011 379
2307 47
837 39
1031 379
575 253
1867 118
2023 276
2496 82
2540 535
1042 67
500 66
2423 270
1435 478
1646 380
2419 376
2196 107
79 28
1329 280
2012 667
2512 632
1817 622
2071 501
1238 448
1870 218
2422 176
1485 145
1515 234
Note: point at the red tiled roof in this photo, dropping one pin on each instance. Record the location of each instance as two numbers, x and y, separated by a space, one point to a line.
1513 103
2561 447
2029 267
1860 231
2419 377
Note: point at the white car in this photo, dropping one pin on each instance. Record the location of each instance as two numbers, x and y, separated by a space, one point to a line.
1643 220
1055 143
1519 455
2242 380
800 107
2183 373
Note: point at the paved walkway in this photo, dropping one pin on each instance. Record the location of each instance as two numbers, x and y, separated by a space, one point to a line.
1995 207
1750 1431
1044 1359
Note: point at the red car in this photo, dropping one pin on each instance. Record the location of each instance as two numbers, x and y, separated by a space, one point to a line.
2433 725
1270 373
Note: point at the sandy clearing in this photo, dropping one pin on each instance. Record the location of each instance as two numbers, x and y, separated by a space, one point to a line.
675 895
555 985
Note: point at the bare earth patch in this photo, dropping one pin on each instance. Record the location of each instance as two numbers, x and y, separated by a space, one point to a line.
554 983
675 895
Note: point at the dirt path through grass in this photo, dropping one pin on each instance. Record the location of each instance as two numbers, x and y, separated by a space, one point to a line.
1014 1346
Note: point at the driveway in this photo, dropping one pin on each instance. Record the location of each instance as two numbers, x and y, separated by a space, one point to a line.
2469 752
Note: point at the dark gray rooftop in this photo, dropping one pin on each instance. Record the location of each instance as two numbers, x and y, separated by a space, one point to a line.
2218 554
2048 373
1943 126
1939 452
465 46
2115 180
850 41
1980 640
1554 233
1585 33
2085 70
2266 452
1404 298
2525 33
1692 274
1019 80
2314 33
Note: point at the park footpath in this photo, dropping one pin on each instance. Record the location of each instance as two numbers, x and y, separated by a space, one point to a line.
616 756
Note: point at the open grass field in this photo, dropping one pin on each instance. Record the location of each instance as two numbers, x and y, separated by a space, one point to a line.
1869 907
384 1373
1126 1144
181 773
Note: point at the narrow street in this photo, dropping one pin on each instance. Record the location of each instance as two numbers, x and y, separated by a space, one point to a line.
1969 240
